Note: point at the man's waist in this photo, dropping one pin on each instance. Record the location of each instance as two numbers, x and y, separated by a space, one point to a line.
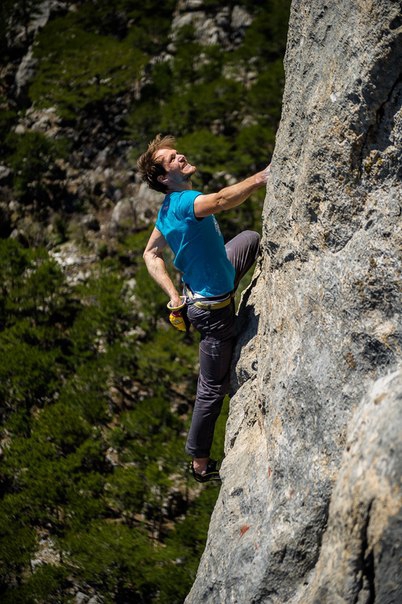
208 302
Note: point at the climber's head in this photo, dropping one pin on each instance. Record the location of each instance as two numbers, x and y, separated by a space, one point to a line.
163 168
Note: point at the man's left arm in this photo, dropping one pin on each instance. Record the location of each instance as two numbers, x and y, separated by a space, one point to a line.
155 263
229 197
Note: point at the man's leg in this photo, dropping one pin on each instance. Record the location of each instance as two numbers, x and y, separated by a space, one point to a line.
242 252
213 384
217 328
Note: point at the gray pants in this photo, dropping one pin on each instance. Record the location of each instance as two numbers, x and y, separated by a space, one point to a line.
218 330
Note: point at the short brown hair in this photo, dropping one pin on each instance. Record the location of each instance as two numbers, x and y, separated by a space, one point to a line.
150 169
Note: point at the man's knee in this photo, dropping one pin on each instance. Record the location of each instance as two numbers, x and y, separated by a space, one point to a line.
254 240
251 242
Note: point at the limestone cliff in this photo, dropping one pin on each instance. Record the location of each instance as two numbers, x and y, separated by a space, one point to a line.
310 509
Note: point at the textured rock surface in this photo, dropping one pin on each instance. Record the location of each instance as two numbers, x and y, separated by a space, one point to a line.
361 553
306 513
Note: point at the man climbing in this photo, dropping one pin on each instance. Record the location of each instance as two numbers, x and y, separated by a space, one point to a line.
211 272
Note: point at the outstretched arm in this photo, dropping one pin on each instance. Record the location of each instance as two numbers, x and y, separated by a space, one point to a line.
153 257
229 197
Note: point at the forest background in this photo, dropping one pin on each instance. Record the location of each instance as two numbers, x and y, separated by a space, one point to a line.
96 389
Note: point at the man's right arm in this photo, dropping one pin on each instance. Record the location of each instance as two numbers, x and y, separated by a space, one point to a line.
153 256
229 197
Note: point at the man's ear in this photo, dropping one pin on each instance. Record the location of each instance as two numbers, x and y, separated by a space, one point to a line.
162 179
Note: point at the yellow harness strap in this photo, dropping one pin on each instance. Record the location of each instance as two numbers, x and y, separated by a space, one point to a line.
216 306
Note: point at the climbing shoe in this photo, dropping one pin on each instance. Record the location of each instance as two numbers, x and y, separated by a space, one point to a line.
211 473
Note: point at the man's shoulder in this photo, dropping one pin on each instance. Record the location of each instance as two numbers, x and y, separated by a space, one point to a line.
188 194
183 202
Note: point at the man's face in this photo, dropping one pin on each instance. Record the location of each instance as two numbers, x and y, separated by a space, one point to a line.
176 165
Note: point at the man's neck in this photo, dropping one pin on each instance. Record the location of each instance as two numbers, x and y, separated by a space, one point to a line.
179 187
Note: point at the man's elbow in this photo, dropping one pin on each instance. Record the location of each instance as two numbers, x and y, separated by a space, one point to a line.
147 257
213 203
220 202
151 258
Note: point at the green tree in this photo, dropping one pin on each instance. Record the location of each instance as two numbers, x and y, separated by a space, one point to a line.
33 157
115 560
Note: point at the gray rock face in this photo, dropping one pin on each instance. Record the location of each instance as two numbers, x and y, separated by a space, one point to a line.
362 547
310 508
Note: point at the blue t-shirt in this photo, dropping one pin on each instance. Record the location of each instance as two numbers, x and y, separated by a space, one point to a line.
197 244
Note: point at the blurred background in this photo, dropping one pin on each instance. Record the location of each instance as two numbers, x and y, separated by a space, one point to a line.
96 389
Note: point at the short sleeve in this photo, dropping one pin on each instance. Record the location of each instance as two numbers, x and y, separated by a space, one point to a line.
185 205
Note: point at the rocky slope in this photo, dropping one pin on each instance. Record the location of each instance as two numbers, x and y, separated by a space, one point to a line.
310 509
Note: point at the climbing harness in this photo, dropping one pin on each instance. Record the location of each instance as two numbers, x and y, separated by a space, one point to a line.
210 303
178 314
213 305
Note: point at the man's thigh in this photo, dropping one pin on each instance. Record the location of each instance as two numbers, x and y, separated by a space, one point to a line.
215 361
242 252
219 325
